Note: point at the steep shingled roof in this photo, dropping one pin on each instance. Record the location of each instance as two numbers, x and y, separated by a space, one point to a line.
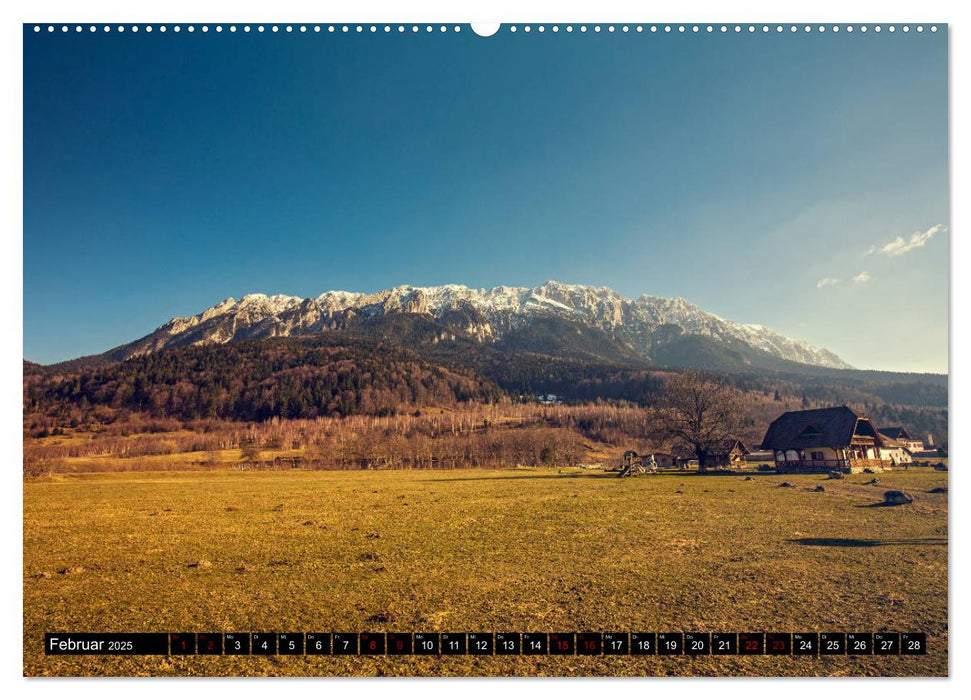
818 427
896 433
729 445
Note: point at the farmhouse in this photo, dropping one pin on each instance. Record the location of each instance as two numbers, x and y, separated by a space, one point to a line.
901 435
895 452
730 453
827 439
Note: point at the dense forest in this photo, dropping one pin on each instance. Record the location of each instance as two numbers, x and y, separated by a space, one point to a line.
255 381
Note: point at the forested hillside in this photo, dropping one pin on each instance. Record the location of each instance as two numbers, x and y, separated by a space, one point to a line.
344 374
255 381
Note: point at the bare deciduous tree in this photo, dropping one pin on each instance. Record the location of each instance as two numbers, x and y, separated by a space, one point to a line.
700 412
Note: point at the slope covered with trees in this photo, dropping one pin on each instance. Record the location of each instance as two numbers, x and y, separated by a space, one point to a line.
258 380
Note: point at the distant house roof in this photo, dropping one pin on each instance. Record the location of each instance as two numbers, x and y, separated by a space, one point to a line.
819 427
730 444
897 433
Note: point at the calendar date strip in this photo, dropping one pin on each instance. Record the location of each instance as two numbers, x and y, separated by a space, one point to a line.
487 643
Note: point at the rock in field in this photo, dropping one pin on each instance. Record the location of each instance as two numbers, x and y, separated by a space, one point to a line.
819 488
836 475
380 617
785 485
897 498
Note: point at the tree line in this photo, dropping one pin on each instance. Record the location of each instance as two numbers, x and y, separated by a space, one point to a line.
339 375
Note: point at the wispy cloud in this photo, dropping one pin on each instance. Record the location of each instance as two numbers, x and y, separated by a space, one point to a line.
862 277
901 245
827 282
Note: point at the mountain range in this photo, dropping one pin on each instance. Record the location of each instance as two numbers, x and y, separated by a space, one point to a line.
561 320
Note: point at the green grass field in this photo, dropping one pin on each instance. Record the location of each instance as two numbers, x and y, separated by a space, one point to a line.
516 550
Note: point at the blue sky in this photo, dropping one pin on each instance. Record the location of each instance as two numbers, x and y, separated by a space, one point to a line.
755 175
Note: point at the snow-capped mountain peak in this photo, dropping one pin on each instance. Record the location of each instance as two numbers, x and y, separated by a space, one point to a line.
643 325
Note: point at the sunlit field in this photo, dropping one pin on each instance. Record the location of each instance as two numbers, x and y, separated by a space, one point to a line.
519 550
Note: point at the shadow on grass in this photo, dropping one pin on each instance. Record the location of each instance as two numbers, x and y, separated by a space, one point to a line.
848 542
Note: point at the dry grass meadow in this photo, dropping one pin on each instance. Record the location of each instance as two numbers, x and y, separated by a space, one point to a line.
482 550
